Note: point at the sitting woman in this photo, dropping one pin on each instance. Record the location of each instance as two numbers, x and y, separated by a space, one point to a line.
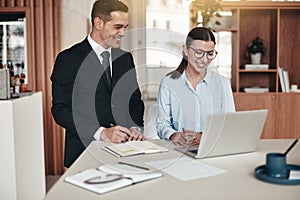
190 93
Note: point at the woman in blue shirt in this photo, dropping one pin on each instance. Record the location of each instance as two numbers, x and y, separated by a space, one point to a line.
187 95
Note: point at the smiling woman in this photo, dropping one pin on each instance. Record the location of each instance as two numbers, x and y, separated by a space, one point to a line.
192 83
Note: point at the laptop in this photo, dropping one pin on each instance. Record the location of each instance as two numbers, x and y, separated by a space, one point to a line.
228 134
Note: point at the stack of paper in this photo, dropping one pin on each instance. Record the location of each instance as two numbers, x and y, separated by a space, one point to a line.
257 66
256 89
284 79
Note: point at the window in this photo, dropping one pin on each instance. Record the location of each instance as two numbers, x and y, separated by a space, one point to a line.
166 32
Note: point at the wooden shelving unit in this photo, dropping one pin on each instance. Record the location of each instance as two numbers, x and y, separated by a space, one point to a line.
278 23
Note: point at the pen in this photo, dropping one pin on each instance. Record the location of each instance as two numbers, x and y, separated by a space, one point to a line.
294 143
132 165
189 138
111 124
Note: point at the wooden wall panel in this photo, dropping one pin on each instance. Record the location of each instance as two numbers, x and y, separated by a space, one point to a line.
288 115
45 52
259 101
10 3
20 3
289 49
43 43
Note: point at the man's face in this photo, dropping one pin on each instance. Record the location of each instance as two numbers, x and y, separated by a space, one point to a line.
114 30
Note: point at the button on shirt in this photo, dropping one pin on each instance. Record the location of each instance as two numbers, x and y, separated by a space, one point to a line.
180 106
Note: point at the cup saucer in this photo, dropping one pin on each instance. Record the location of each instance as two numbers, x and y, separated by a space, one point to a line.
260 173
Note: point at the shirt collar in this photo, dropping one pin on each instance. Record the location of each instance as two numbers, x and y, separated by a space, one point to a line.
97 47
206 79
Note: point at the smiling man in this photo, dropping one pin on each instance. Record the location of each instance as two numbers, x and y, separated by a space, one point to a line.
94 87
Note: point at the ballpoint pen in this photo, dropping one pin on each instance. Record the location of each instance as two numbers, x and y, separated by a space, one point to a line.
111 124
133 165
189 138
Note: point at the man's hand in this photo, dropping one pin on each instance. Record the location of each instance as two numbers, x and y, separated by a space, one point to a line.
115 134
118 134
136 134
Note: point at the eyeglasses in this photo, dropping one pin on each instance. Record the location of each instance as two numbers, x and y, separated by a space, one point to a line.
199 53
105 178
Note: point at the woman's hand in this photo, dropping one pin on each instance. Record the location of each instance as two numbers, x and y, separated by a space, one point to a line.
186 138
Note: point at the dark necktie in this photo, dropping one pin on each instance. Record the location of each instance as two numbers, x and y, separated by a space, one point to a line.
106 65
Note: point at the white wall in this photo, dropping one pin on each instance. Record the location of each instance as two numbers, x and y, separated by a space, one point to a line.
135 39
75 21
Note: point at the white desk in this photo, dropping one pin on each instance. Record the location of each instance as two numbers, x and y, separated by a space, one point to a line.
22 168
238 182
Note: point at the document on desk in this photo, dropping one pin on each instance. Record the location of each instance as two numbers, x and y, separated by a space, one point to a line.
186 169
131 148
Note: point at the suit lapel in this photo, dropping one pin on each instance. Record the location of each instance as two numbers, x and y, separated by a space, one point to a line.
117 66
96 62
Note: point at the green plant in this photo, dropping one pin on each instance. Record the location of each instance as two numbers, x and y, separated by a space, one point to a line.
209 9
257 46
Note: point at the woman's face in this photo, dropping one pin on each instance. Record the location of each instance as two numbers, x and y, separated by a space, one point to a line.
200 54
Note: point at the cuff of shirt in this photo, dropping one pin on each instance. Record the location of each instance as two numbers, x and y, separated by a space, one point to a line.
138 128
97 135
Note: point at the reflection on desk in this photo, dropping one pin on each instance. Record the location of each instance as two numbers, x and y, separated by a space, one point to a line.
238 182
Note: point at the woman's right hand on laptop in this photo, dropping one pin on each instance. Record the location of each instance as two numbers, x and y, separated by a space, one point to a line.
186 138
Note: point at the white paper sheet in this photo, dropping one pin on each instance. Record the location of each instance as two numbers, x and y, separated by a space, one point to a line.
186 169
294 175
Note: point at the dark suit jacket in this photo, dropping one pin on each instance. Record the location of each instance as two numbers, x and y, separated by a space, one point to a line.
83 101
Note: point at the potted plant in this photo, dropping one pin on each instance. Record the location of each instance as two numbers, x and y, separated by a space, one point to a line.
256 49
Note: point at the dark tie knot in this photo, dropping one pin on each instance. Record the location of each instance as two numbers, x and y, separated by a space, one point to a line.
105 54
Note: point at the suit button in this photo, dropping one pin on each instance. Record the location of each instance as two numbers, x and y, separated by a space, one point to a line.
113 105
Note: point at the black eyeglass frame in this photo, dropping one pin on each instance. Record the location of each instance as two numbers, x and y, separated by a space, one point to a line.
200 51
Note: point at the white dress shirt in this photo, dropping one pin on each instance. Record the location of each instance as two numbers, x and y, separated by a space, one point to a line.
180 106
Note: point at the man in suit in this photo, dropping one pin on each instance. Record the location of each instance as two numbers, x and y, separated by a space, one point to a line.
94 86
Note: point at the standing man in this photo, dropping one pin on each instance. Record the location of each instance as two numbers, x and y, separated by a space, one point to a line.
94 86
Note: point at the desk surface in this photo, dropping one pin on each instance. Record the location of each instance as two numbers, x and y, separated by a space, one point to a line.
238 182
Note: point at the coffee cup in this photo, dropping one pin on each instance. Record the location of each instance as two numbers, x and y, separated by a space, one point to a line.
276 165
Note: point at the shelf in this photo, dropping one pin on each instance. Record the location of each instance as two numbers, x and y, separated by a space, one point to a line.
278 25
257 71
242 93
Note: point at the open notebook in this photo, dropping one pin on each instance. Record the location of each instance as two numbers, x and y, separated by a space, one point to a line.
131 148
107 178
